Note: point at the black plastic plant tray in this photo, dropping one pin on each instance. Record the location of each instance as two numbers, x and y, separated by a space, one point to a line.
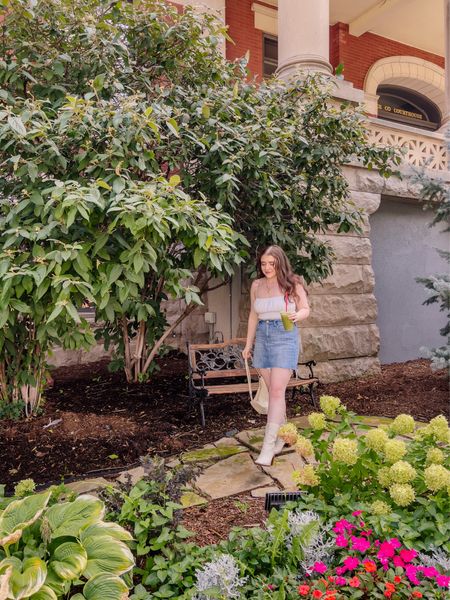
278 499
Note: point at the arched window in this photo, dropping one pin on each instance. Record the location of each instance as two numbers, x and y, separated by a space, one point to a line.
407 106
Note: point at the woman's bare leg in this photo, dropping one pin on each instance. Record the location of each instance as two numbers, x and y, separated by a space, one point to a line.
279 378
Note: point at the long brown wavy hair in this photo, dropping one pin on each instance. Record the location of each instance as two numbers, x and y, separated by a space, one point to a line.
287 279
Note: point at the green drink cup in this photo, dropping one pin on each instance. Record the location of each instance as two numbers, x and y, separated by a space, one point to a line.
287 323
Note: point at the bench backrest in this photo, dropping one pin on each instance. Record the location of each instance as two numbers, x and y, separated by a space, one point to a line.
218 360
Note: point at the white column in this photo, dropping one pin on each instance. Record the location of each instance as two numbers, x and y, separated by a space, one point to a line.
303 36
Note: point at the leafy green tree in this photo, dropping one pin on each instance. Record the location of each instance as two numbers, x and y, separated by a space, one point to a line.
127 137
436 195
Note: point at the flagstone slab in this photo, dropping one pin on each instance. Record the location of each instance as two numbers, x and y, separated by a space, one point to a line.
133 475
190 498
226 441
253 438
282 469
231 476
261 492
212 453
301 422
88 485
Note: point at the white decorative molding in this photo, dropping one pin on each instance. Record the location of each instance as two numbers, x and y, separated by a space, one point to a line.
407 67
422 149
266 18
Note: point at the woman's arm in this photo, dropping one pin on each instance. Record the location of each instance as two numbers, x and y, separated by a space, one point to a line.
301 303
252 323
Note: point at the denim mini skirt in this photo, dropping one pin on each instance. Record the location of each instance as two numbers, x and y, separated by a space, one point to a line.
276 347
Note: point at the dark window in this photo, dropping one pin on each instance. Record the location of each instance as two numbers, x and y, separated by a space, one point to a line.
407 106
270 55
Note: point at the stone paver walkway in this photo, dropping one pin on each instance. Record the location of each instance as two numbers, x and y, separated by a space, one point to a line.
227 467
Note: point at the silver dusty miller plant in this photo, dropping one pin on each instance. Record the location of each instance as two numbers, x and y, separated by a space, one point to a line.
438 558
316 548
220 575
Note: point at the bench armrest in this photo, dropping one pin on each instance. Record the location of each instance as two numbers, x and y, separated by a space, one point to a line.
310 364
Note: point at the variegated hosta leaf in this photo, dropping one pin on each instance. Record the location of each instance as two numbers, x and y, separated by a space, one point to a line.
69 560
27 577
45 593
107 555
4 583
105 586
58 585
77 597
11 538
21 513
106 528
68 518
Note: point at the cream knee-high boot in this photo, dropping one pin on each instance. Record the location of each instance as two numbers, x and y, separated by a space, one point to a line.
268 448
279 444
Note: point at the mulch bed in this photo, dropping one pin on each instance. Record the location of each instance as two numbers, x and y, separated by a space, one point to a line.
212 522
102 423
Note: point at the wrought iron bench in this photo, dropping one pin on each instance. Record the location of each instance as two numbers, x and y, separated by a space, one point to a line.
210 364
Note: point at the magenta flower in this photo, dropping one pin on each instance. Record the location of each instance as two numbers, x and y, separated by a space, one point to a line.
411 572
340 580
360 544
341 570
395 543
408 555
386 550
398 561
366 533
351 562
342 526
356 513
341 541
319 567
443 581
429 571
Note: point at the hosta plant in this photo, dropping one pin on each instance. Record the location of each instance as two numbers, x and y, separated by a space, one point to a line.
48 552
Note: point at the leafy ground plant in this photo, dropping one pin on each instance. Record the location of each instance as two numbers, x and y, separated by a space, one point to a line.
48 551
150 509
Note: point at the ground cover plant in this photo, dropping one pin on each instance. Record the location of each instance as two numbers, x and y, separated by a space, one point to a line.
129 178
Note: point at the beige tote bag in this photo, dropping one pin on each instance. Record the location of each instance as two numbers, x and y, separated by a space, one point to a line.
259 400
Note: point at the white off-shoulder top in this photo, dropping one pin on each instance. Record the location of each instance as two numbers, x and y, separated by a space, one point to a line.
268 309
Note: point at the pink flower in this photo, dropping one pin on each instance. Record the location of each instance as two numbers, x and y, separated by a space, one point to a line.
342 526
340 581
366 533
408 555
398 561
319 567
376 543
411 571
341 570
356 513
351 562
443 581
360 544
386 550
429 571
395 543
341 541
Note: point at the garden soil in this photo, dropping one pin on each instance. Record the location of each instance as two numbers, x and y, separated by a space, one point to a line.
93 421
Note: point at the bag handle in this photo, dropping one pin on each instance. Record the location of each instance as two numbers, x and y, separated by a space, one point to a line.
249 379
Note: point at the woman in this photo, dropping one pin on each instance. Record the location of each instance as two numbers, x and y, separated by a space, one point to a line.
276 348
